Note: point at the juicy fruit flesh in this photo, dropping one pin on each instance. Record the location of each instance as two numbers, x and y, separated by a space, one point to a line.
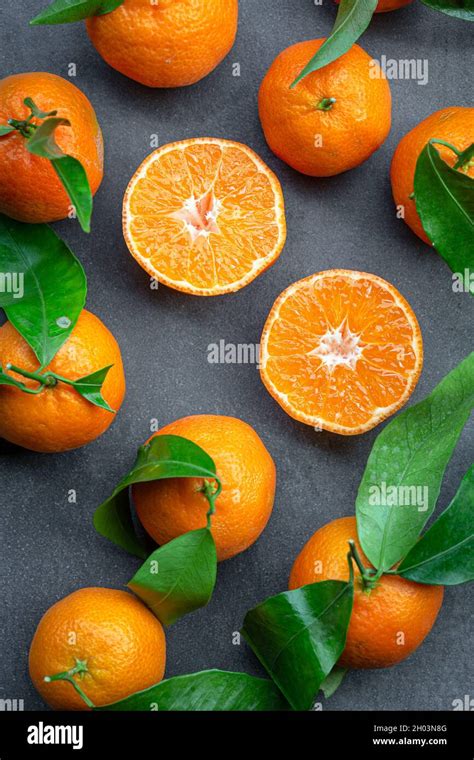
341 350
204 214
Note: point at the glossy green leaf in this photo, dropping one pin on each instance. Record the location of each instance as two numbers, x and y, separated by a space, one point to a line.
179 577
69 170
5 129
332 681
166 456
445 554
209 690
445 202
353 18
299 635
67 11
463 9
47 287
90 387
402 480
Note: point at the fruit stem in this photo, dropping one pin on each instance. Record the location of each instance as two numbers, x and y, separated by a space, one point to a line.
211 492
68 675
325 104
48 380
368 579
465 157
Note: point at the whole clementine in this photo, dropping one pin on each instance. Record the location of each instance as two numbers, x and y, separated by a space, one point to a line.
166 44
30 189
333 119
388 622
169 508
455 125
113 644
58 418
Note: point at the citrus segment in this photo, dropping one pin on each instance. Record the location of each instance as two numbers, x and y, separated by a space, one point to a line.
204 216
341 350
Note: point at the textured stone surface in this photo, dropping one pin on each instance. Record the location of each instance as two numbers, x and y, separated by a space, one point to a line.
48 546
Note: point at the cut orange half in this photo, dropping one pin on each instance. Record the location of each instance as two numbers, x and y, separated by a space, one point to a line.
205 216
341 351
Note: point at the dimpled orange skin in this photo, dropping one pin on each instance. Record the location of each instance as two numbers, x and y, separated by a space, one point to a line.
456 126
317 142
121 641
396 606
59 419
169 508
30 189
166 44
388 5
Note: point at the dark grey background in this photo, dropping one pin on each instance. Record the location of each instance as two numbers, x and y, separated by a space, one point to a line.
49 547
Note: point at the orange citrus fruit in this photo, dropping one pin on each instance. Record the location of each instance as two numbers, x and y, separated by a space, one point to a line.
119 642
204 216
30 189
169 508
332 120
341 350
58 418
166 43
388 622
455 125
388 5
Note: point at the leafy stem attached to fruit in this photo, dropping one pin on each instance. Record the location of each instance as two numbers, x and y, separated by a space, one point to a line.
89 387
368 576
40 142
465 157
211 490
68 675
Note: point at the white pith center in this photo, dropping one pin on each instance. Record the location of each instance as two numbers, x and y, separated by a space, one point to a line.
200 216
339 347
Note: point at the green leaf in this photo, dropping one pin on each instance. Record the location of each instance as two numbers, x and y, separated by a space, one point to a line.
46 307
67 11
179 577
353 18
445 203
402 480
90 387
209 690
69 170
332 682
299 635
5 130
445 554
463 9
166 456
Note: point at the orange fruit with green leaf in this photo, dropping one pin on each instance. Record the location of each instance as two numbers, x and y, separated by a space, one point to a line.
169 508
205 216
332 120
31 189
341 351
51 416
452 131
390 618
100 642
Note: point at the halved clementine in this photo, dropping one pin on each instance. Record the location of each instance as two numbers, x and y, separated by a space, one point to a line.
204 216
341 351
